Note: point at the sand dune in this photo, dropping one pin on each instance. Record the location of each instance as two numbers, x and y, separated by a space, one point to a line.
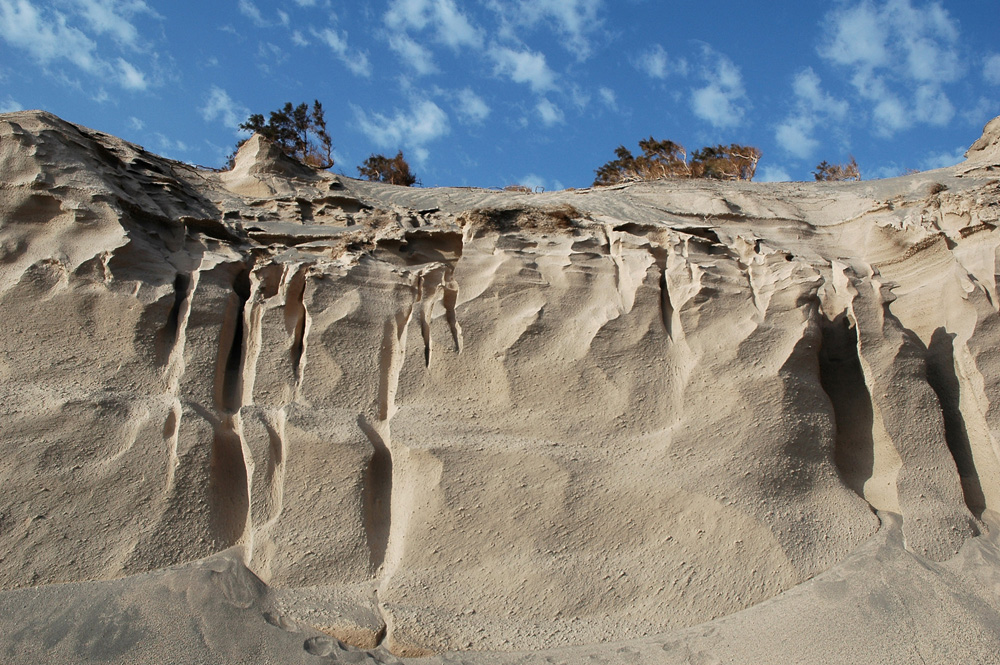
275 414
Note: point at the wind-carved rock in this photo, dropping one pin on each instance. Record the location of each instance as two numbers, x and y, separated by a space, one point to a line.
439 420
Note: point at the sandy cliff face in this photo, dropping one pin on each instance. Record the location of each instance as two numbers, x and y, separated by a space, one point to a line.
463 419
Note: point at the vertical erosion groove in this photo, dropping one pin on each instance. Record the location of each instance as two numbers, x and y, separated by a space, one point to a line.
377 496
167 337
391 361
660 257
843 380
378 484
295 318
230 470
666 307
273 474
449 298
943 380
229 500
424 303
232 379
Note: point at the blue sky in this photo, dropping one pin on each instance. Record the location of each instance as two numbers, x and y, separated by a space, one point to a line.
536 92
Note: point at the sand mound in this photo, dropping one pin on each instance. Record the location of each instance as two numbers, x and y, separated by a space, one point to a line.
464 420
261 169
987 147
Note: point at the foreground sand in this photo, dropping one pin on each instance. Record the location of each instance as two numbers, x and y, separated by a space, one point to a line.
276 415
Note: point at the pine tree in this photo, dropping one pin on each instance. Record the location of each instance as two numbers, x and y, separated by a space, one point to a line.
298 131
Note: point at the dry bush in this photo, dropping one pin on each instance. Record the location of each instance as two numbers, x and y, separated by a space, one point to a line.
522 189
394 171
848 171
725 162
666 159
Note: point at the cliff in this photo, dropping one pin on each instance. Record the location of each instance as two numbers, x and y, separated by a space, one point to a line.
280 414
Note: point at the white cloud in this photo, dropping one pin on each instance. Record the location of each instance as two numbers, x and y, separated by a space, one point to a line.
113 17
424 123
250 10
980 111
656 64
414 54
220 106
928 61
573 19
884 171
165 143
299 39
858 37
450 26
773 174
9 106
991 69
549 112
812 107
580 97
523 67
608 97
46 37
944 159
795 137
49 36
454 29
928 38
721 101
471 108
284 18
811 96
136 124
130 77
890 116
305 3
899 55
532 181
355 61
537 183
933 106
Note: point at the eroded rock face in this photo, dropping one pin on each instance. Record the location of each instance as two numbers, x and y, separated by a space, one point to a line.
462 419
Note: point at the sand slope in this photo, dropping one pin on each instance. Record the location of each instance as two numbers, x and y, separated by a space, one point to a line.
465 420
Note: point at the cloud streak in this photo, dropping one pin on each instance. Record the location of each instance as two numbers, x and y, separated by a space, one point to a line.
722 101
50 36
899 56
573 20
355 61
219 106
813 106
471 108
655 63
442 18
527 67
423 123
47 37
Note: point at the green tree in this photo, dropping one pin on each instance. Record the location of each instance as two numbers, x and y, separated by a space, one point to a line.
298 131
394 171
848 171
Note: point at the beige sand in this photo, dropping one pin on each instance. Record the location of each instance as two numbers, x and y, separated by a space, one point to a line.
553 427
